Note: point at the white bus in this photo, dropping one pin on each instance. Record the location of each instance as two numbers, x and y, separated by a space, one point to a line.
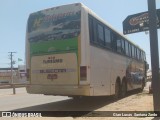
70 51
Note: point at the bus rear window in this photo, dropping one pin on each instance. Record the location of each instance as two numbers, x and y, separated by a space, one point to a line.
54 25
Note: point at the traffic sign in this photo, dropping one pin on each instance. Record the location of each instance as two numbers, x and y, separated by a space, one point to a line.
139 22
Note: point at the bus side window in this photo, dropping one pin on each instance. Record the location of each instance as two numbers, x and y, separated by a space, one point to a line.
123 46
133 55
141 56
144 56
95 31
130 50
114 42
127 48
107 38
91 29
100 34
119 45
138 54
135 52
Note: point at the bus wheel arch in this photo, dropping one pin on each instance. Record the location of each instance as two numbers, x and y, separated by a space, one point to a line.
117 88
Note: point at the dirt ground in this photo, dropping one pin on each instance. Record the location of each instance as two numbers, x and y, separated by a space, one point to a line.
137 102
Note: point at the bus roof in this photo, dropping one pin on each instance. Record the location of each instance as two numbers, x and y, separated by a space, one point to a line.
56 7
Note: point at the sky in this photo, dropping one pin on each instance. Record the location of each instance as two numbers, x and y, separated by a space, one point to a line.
14 15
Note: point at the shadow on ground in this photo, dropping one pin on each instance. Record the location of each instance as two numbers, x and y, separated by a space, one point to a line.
84 106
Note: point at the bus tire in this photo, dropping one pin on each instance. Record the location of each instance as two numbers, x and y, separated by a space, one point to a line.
143 85
123 89
117 90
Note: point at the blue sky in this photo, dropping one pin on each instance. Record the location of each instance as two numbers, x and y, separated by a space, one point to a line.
14 15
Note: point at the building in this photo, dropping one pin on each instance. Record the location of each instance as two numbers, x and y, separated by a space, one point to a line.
19 75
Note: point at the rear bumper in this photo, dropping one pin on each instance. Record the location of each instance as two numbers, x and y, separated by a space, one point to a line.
67 90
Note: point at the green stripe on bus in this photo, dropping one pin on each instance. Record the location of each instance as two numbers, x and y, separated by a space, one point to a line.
54 46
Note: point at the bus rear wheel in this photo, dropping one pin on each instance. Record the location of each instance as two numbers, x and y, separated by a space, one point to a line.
117 90
123 89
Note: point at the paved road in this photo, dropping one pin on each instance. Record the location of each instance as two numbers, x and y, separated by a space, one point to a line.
8 101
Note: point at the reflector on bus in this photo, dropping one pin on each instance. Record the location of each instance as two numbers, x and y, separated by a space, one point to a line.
83 73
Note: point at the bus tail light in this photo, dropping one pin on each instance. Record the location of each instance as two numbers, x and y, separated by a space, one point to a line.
83 73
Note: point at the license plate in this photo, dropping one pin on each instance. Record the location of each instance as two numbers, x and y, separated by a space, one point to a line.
52 76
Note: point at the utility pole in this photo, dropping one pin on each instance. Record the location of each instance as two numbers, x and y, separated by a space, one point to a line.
11 55
154 53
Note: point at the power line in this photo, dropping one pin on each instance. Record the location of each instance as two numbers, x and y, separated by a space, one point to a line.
12 62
